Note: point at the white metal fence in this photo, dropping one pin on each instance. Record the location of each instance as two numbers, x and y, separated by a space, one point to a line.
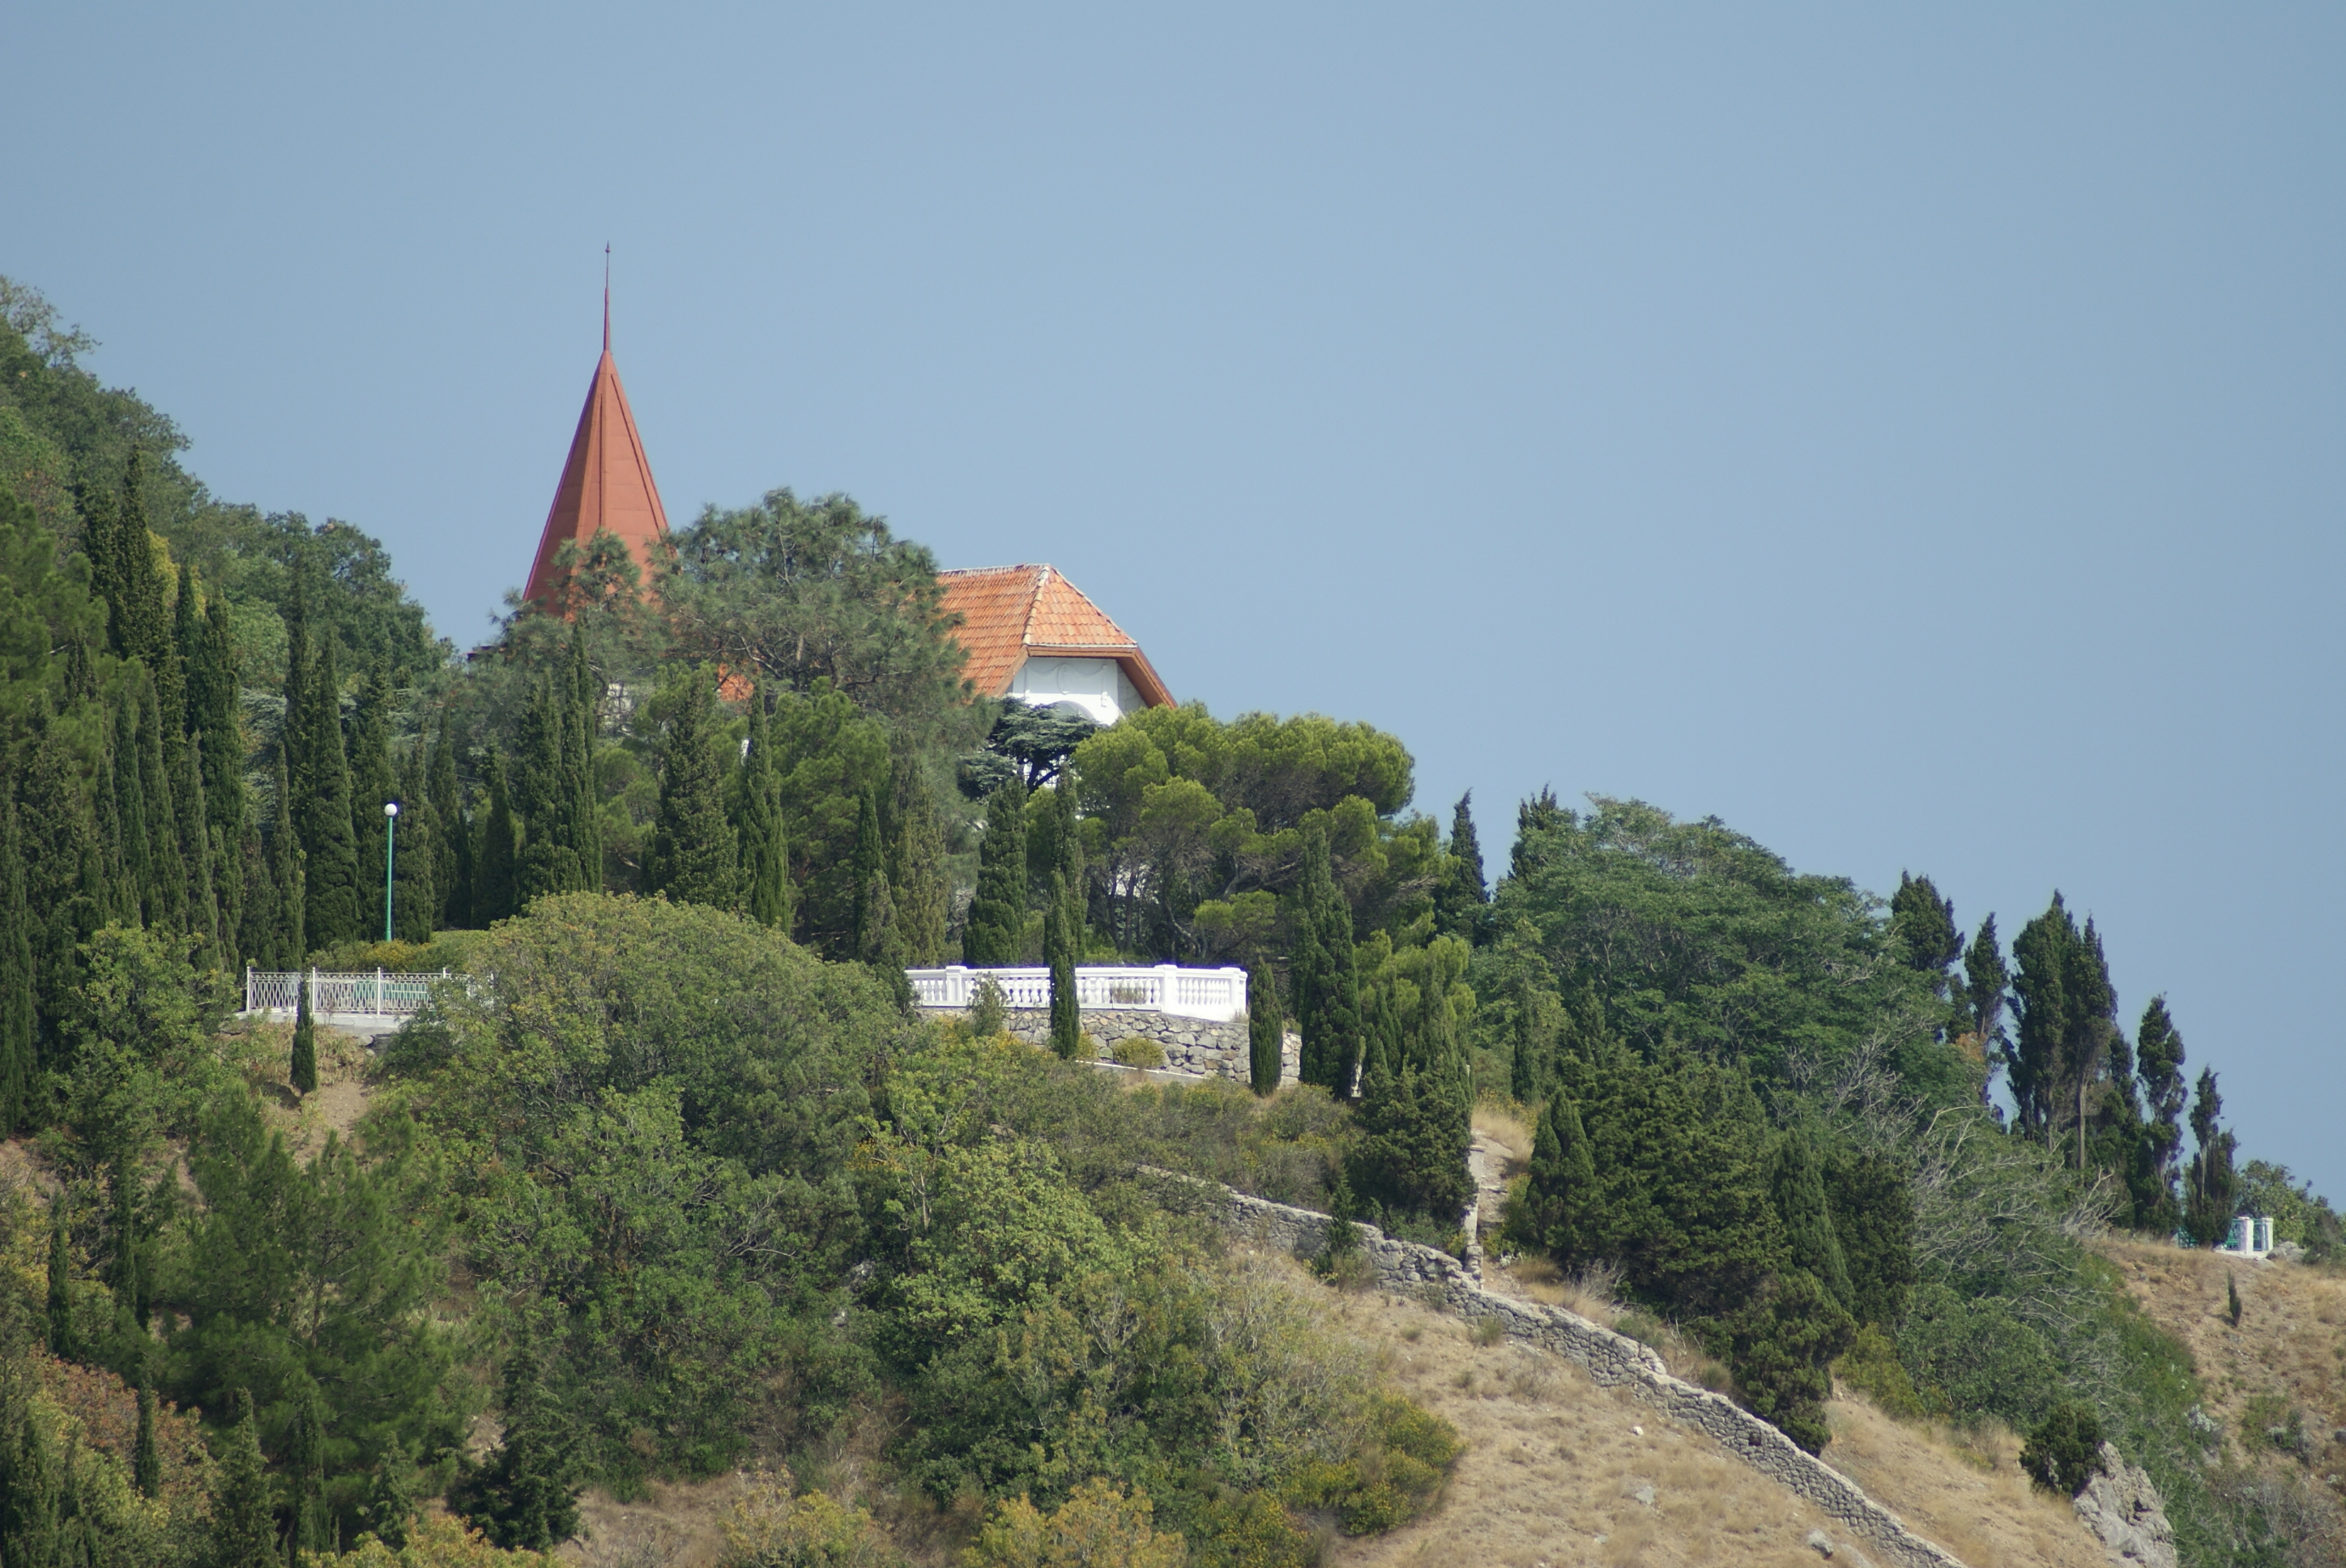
340 993
1215 994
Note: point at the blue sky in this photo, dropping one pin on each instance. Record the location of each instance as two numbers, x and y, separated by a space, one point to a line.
1911 434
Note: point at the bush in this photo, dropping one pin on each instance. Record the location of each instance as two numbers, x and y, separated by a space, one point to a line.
1139 1051
2065 1450
1872 1368
1397 1476
1097 1524
1781 1346
1975 1358
769 1528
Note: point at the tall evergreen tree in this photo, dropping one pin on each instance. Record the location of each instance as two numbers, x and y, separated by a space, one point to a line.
1266 1030
495 862
875 914
258 934
196 845
1925 926
543 794
213 713
17 975
303 1073
2066 1020
1873 1217
146 1458
371 784
996 931
2158 1057
332 875
169 865
585 711
124 574
1331 1012
452 843
1463 901
1061 940
287 877
1552 1211
526 1496
1797 1183
65 1343
186 642
243 1521
694 859
417 861
1410 1156
916 866
2211 1187
763 832
1988 984
141 902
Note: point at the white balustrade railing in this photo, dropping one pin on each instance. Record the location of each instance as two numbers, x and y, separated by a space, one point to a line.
379 993
1219 995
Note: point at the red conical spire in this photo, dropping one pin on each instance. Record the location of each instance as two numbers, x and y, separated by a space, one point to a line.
607 482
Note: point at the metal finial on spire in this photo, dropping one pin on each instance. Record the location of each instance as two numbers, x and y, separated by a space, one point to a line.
607 296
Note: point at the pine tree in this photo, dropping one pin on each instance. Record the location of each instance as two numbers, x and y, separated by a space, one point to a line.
763 834
997 914
243 1522
331 876
418 851
1462 901
1062 934
16 976
527 1497
875 911
1266 1030
496 867
303 1074
1552 1211
1797 1183
1331 1026
693 858
1873 1217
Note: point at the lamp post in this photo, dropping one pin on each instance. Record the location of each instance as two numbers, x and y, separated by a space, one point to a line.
390 853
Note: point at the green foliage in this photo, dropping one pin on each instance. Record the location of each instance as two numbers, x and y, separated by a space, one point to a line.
1874 1218
1097 1524
1462 899
1975 1356
918 878
17 1011
2210 1186
1781 1344
322 810
1327 975
65 1339
830 755
771 1529
1393 1478
760 827
2066 1023
1031 742
2065 1450
496 863
694 859
244 1524
1555 1210
526 1495
989 1013
1410 1159
995 931
1797 1184
2232 1298
1266 1031
1871 1367
303 1075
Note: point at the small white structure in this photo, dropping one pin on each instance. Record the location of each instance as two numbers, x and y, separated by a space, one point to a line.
1213 995
2251 1237
1032 634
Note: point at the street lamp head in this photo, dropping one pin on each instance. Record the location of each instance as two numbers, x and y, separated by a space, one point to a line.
390 808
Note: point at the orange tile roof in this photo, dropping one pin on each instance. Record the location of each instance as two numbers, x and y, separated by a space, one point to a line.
606 483
1010 614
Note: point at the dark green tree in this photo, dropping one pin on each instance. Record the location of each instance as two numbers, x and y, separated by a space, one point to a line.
147 1460
331 876
1925 925
2067 1020
212 691
495 863
1062 939
544 792
65 1343
764 833
1780 1345
2065 1452
168 864
1555 1211
1463 897
1328 995
2159 1058
417 861
875 911
16 973
371 784
1030 743
1410 1156
452 845
1266 1030
303 1075
997 932
526 1496
1873 1217
1797 1184
288 878
916 868
243 1519
694 859
141 900
584 713
2211 1185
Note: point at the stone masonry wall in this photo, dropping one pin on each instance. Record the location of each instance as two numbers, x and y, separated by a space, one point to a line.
1192 1045
1611 1359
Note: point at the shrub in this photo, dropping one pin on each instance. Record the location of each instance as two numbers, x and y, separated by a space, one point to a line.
2065 1450
1781 1345
1139 1051
1967 1356
1097 1524
1395 1476
1870 1366
771 1529
989 1013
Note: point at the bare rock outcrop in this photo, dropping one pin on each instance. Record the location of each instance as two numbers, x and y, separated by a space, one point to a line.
2124 1511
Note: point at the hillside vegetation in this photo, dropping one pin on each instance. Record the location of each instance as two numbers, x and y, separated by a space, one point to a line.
677 1185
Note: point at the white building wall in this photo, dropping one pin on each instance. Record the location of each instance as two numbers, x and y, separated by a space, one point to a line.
1097 686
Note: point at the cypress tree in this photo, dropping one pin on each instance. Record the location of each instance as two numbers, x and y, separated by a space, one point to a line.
2211 1187
140 902
195 844
169 865
495 888
875 914
1410 1158
371 785
289 878
147 1458
693 858
187 641
293 737
916 870
1873 1216
303 1073
996 931
1332 1060
585 713
258 934
1797 1184
1266 1029
1062 929
1462 899
1554 1212
243 1522
146 633
16 1004
331 876
527 1497
764 836
544 795
213 713
128 1275
29 1483
2158 1057
63 1343
452 843
418 900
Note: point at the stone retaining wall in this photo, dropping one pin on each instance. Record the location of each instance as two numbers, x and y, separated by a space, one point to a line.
1611 1359
1192 1045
